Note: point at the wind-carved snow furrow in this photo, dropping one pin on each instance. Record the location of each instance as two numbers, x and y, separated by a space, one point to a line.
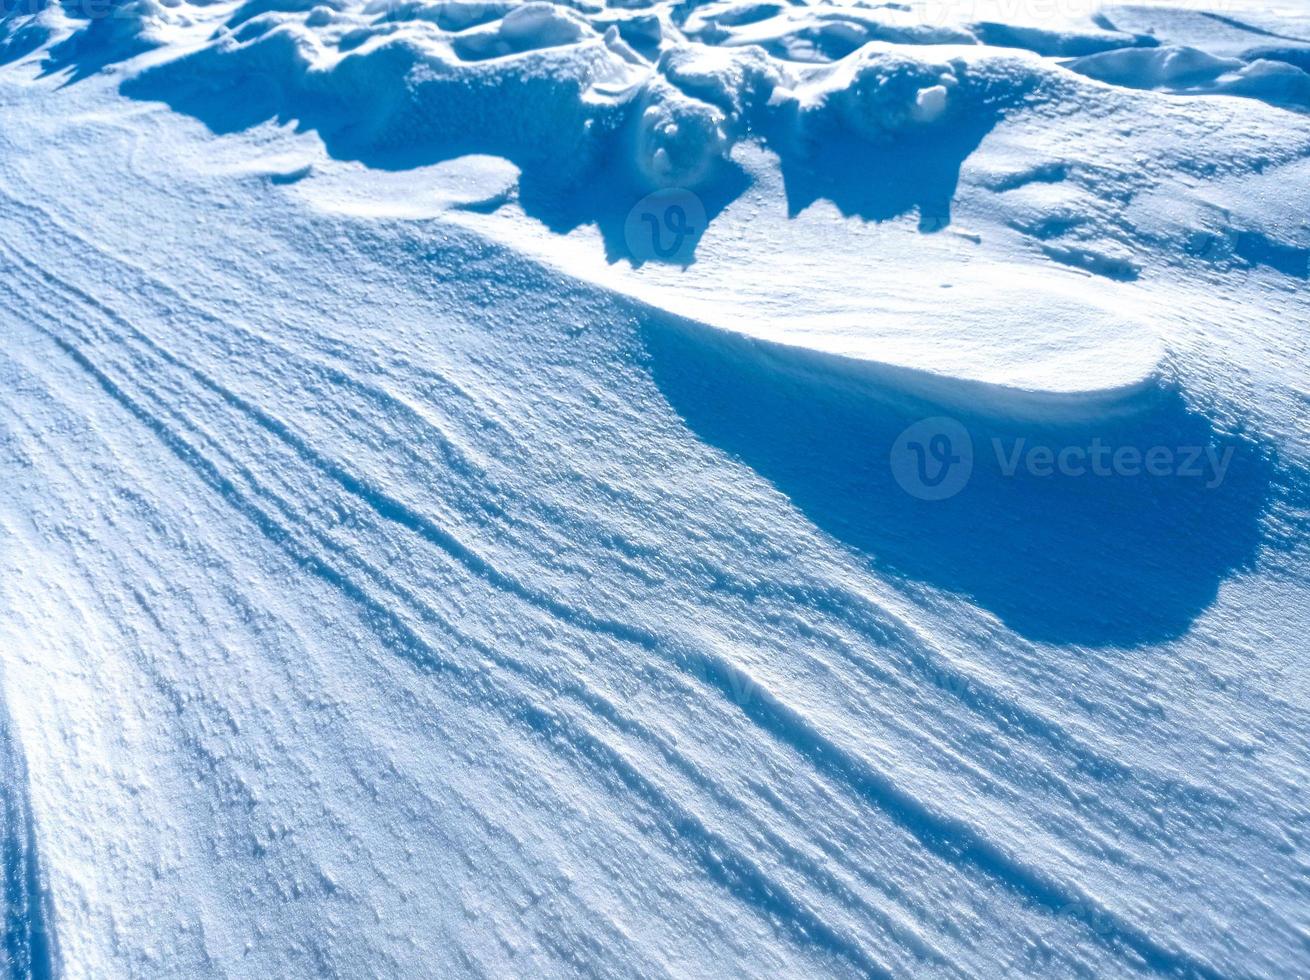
216 763
955 842
920 660
383 503
1006 714
393 509
455 456
736 873
700 665
1047 771
742 871
920 664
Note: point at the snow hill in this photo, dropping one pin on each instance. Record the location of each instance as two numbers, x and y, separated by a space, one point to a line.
459 509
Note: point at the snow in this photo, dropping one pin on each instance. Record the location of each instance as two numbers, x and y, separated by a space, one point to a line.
463 499
1189 71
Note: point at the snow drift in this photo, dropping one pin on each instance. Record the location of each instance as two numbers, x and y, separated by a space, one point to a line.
402 573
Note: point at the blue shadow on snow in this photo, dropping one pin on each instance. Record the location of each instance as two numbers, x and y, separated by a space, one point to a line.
1103 560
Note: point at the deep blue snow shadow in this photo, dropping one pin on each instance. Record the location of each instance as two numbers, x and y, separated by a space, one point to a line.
918 173
1118 560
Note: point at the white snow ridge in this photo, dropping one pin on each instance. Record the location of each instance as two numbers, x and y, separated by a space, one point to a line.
643 488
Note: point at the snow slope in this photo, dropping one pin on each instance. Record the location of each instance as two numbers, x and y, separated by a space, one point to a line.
406 573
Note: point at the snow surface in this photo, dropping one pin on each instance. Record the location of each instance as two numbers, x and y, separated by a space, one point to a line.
406 568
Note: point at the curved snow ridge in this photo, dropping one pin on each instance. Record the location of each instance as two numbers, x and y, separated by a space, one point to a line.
1057 354
1068 397
1057 347
594 539
1188 71
953 840
956 841
983 489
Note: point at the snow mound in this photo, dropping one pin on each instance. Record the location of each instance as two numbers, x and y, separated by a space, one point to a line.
526 28
1188 71
651 488
724 142
877 95
1244 31
549 87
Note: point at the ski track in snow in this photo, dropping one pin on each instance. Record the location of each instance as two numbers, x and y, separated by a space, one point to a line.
373 603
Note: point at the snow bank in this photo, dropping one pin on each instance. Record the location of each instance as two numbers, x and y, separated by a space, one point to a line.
1188 71
310 513
558 91
599 105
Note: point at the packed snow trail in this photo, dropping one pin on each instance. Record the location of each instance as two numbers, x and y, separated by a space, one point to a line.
379 600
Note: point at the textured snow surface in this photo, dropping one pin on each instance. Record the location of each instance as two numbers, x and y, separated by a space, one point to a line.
407 569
